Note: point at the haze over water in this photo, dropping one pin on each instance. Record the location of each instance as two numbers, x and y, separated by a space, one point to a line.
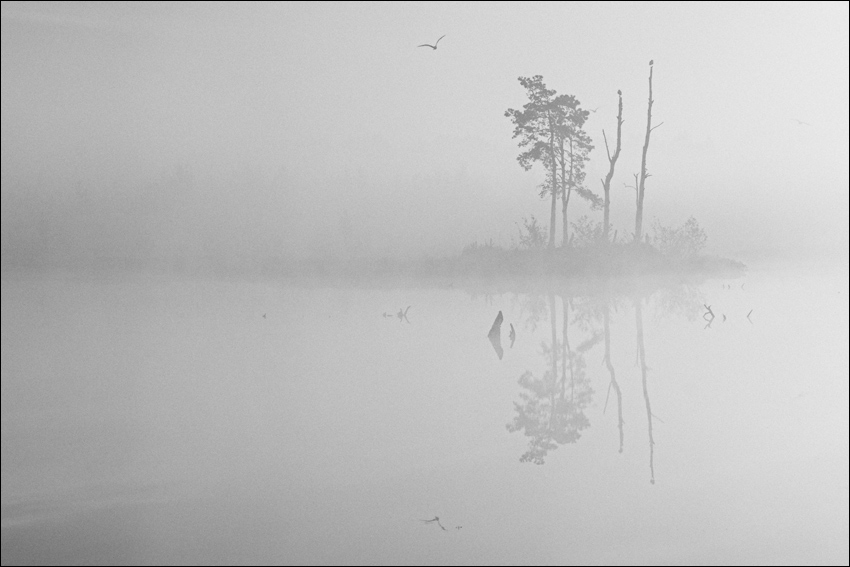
153 419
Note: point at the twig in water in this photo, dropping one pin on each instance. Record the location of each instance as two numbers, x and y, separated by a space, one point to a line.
434 519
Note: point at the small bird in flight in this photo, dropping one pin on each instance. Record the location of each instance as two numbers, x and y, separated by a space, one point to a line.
435 519
431 46
800 122
594 109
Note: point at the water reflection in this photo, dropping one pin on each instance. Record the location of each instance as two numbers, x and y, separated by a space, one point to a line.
553 399
642 362
613 384
548 414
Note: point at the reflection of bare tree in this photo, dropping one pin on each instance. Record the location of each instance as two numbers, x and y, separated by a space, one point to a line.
547 415
613 384
642 362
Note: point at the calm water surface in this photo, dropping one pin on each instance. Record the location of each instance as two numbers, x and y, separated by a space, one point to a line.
155 419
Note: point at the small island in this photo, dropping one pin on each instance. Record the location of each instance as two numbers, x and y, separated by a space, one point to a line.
550 129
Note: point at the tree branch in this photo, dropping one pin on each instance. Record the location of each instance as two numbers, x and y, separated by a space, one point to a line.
606 147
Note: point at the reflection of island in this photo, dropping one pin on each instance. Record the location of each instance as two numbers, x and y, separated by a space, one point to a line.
551 409
548 414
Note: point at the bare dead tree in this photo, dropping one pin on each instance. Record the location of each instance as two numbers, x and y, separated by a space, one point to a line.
641 185
637 195
612 161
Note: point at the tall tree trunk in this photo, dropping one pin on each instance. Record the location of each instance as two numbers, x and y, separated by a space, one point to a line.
552 217
612 161
564 198
642 181
553 186
566 192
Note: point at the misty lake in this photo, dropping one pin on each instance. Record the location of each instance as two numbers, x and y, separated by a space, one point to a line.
156 419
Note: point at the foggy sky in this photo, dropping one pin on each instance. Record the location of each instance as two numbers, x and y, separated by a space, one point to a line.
256 130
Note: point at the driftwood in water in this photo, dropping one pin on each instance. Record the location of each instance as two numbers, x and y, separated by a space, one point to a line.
495 335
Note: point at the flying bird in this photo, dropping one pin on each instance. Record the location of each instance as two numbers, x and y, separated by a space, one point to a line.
800 122
431 46
594 109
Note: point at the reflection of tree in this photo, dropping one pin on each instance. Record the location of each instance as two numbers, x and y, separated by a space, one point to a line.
613 384
642 362
549 414
551 408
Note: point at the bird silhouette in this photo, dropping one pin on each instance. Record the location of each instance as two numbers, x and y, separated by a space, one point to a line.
800 122
431 46
594 109
435 519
